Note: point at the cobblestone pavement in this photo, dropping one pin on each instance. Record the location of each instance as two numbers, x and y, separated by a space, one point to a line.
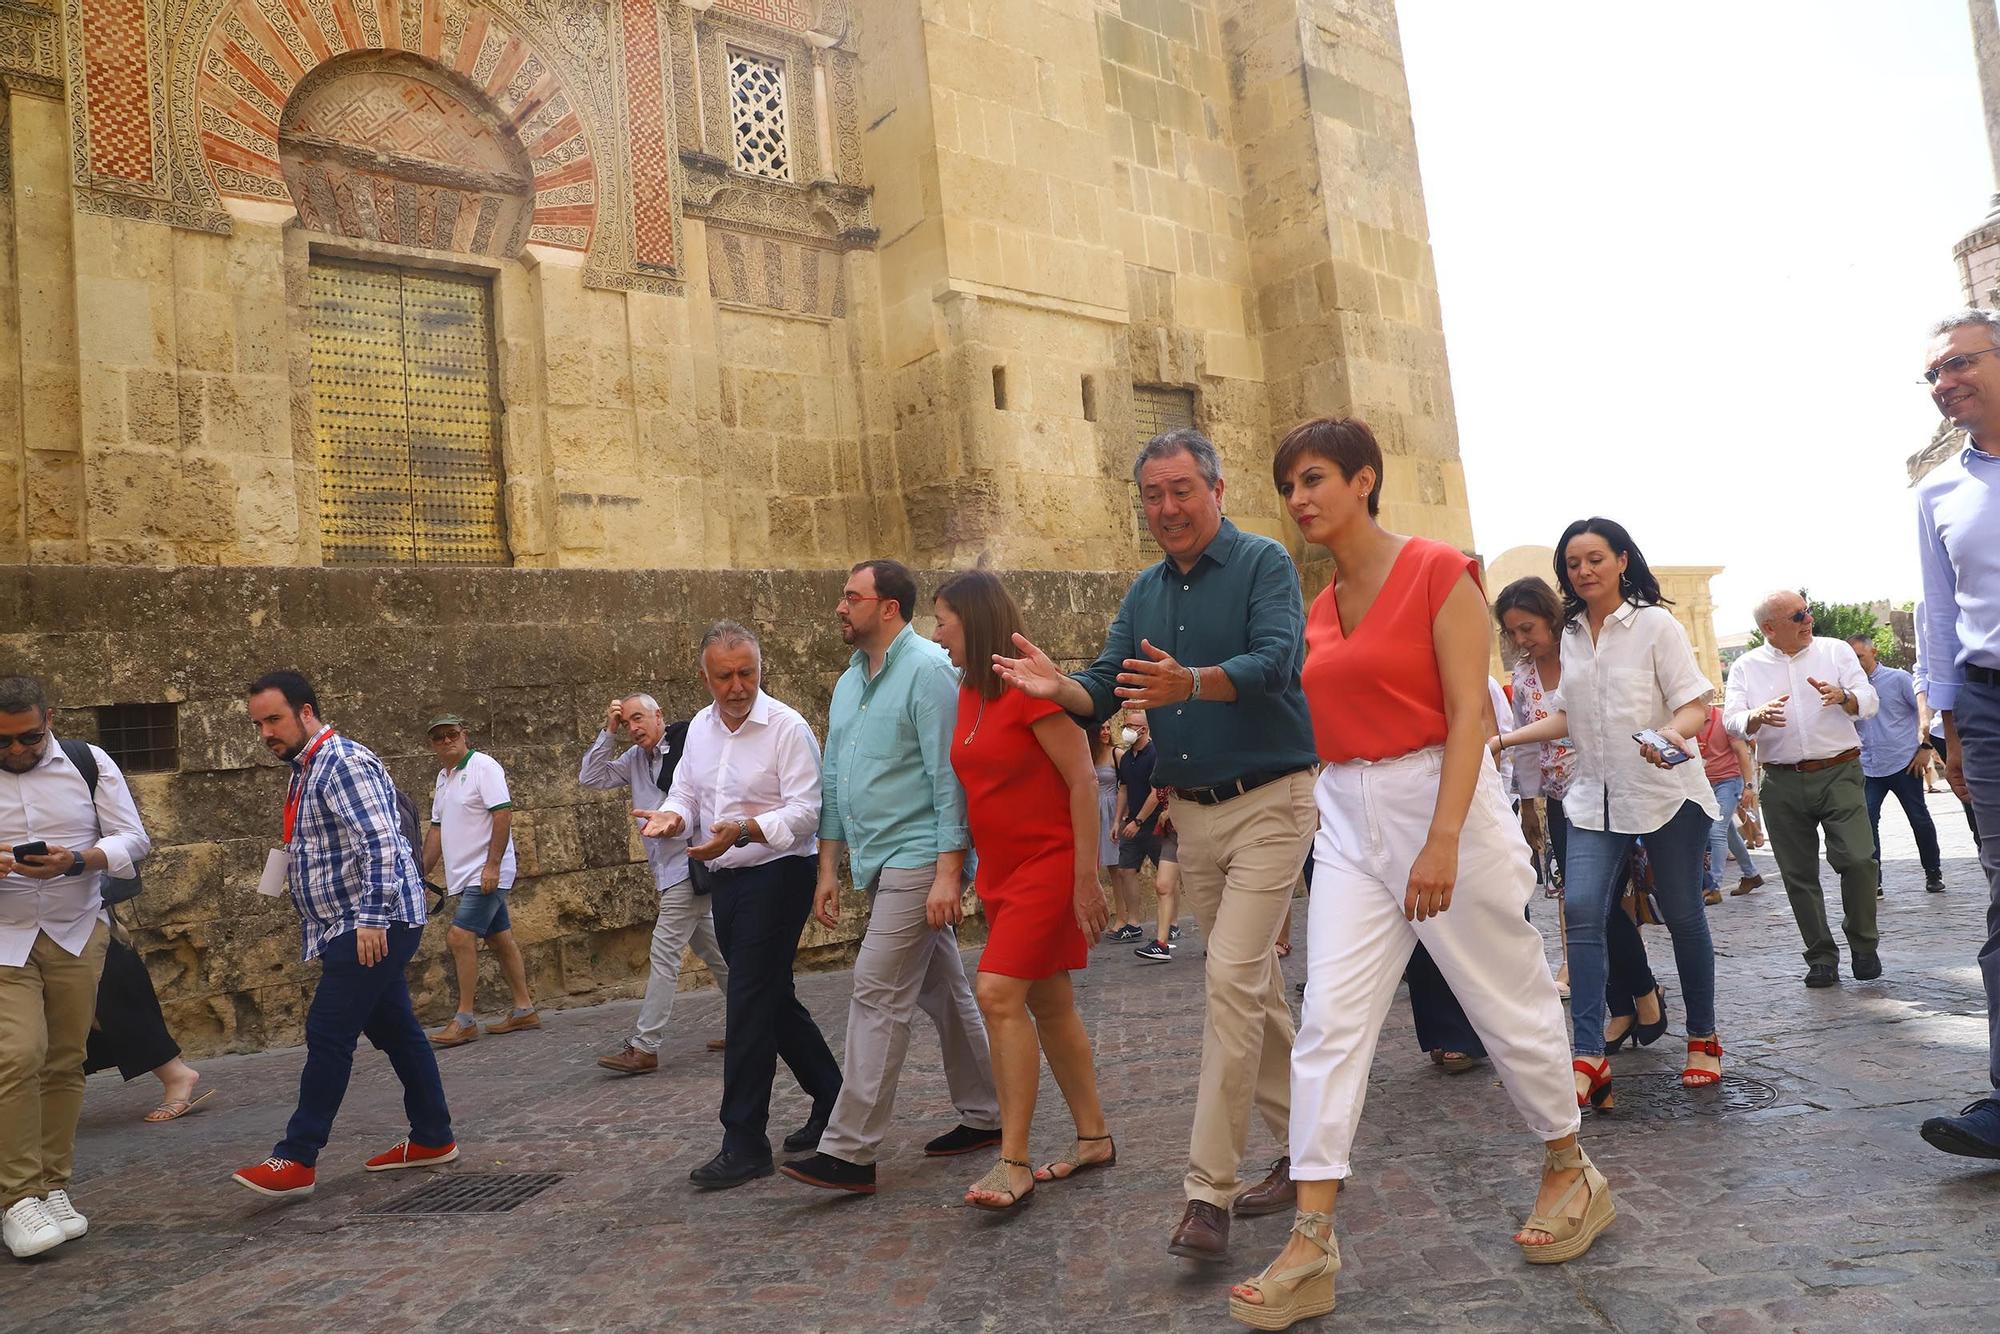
1820 1211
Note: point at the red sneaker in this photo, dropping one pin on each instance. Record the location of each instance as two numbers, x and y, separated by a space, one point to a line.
406 1154
280 1178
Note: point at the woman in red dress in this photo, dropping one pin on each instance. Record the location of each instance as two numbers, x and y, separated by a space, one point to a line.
1031 802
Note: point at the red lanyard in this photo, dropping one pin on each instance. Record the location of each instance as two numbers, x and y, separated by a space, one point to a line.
297 789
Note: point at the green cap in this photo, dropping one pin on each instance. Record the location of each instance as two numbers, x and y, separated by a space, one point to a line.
444 720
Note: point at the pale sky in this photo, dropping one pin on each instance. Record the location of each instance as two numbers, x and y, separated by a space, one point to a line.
1687 253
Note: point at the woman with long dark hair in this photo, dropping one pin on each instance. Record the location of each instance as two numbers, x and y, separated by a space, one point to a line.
1627 668
1031 804
1416 843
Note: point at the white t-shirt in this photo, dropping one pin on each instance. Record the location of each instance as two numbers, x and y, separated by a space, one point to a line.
462 806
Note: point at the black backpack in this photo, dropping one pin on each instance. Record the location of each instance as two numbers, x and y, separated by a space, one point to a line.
117 889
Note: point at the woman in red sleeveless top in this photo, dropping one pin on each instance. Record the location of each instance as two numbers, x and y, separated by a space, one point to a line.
1031 804
1416 843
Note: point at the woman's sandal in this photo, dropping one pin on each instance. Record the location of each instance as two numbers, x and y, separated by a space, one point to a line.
1573 1235
998 1182
1692 1078
1047 1171
1598 1095
175 1108
1298 1293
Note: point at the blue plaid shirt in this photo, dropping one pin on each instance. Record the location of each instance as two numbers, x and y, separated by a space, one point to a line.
350 866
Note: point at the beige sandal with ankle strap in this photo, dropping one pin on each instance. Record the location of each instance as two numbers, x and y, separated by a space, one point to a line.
1000 1182
1298 1293
1573 1234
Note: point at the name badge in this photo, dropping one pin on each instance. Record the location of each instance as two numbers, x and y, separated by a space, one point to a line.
277 870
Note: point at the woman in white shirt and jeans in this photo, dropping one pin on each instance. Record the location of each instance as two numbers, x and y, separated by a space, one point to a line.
1626 667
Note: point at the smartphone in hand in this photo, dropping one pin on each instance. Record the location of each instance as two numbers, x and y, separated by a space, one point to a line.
1669 752
38 848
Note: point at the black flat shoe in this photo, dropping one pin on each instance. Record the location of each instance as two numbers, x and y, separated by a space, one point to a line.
830 1173
806 1138
963 1139
1822 975
1866 967
728 1169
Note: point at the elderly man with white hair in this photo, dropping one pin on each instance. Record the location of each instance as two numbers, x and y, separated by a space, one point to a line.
646 769
1796 697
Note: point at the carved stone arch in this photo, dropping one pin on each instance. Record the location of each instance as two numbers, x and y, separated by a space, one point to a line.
544 66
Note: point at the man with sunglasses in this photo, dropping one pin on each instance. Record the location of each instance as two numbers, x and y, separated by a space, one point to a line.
53 934
1958 546
1796 697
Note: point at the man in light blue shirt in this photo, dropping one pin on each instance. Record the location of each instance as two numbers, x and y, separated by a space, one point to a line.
1958 536
1893 751
890 803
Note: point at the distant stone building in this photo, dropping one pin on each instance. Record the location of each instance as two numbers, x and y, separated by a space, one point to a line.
479 329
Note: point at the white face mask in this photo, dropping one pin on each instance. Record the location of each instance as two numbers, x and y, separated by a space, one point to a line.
1128 736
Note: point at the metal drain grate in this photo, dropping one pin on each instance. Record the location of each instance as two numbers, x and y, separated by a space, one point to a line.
467 1193
1660 1097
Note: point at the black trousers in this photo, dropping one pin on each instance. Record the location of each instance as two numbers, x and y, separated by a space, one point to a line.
760 912
130 1032
1440 1019
1908 790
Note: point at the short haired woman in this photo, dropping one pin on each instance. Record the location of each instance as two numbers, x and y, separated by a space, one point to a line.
1416 843
1031 803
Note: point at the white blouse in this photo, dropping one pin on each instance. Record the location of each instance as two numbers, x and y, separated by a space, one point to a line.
1638 672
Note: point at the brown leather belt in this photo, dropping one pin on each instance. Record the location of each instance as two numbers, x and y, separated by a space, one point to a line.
1814 766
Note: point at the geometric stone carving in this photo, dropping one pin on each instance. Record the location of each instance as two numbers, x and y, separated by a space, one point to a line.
757 116
30 55
391 148
652 155
259 51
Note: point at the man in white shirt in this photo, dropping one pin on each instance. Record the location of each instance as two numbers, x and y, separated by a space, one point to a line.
471 840
52 937
646 769
749 795
1796 697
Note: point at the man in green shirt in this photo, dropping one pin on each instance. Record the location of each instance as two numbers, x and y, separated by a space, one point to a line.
891 804
1210 642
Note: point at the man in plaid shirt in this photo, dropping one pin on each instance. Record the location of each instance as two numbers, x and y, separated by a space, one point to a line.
355 883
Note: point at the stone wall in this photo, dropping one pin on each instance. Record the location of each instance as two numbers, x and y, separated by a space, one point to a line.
528 656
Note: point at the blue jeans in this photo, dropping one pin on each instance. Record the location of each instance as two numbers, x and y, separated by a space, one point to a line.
1724 839
349 1002
482 914
1595 856
1908 790
1978 717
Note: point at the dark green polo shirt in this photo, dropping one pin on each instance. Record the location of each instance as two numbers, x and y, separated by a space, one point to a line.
1239 609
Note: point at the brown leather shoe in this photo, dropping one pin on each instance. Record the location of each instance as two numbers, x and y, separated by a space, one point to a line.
452 1035
631 1061
517 1023
1746 884
1203 1233
1274 1194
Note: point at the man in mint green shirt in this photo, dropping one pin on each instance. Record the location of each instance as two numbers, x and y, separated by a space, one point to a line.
890 803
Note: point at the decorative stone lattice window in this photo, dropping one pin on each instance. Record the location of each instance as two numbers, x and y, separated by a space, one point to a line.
757 113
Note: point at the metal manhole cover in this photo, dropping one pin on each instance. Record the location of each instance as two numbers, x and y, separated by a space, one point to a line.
1660 1097
469 1193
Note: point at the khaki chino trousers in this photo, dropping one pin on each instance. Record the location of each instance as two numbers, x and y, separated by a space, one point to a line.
1240 861
46 1006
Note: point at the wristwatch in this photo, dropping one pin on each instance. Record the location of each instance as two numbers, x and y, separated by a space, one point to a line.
742 834
75 864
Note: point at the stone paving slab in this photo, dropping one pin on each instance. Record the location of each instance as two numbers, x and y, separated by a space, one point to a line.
1822 1211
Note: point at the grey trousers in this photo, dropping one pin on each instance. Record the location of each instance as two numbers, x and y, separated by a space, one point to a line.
1977 715
684 921
906 965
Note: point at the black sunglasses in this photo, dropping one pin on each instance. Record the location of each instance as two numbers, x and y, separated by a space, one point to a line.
23 738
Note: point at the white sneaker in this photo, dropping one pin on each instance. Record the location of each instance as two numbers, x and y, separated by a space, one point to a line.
72 1223
29 1230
